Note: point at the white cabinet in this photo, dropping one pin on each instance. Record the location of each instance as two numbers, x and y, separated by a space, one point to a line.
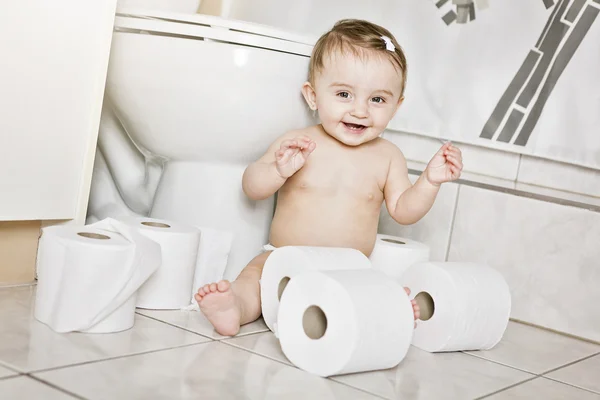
53 62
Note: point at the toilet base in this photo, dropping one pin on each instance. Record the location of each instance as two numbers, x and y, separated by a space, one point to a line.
210 195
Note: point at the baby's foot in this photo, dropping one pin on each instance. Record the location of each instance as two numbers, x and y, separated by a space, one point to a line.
220 305
415 306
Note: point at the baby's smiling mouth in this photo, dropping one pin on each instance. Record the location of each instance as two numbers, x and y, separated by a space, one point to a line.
354 127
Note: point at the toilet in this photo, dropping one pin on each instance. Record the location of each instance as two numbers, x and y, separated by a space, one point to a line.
190 101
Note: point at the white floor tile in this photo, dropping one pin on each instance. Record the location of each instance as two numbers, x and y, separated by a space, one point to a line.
423 375
196 322
545 389
264 344
584 374
26 388
206 371
461 374
535 350
29 345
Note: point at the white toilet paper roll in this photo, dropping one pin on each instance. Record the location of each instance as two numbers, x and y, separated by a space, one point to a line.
213 254
393 255
88 278
170 286
464 306
340 322
286 262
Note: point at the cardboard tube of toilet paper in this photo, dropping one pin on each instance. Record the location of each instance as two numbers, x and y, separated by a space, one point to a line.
393 255
464 306
286 262
88 278
340 322
170 286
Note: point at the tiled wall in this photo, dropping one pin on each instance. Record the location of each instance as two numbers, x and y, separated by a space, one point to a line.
548 251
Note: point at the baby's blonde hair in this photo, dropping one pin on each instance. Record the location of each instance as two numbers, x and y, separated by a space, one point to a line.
356 36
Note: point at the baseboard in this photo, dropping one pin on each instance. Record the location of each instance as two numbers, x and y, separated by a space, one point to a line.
18 251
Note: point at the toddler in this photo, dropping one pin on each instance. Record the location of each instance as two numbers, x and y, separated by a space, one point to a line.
333 177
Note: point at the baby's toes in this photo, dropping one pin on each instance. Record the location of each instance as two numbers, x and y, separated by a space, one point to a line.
213 287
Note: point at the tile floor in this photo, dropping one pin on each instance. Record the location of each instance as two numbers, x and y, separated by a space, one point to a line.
177 355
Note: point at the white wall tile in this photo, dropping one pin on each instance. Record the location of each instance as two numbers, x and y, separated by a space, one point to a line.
548 253
433 229
479 160
556 175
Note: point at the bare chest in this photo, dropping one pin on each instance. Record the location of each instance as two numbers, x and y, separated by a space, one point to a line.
350 173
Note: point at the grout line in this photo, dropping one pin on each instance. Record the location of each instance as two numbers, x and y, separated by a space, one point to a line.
569 364
16 285
241 336
570 384
500 363
452 222
527 194
175 326
56 387
564 334
4 378
43 370
507 388
518 168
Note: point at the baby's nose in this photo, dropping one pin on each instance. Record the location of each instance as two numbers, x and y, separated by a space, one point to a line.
360 110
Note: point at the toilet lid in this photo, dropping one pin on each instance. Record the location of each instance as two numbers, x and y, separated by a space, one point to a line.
211 27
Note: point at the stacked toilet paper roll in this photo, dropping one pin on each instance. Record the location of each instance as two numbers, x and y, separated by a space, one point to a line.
284 263
464 306
393 255
340 322
170 286
88 277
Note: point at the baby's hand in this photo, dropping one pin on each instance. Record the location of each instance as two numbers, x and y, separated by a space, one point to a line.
445 166
292 155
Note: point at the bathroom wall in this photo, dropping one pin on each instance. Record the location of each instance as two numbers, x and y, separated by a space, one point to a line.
535 221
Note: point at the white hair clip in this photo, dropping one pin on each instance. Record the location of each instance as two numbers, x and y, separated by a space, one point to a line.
388 43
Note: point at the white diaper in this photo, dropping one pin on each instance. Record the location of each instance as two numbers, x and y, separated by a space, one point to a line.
269 247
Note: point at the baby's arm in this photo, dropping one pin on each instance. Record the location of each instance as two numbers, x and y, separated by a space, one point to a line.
283 158
407 203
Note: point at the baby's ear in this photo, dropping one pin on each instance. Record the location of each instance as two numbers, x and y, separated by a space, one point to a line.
309 95
400 101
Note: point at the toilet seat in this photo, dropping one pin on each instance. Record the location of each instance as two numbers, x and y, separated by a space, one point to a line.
212 28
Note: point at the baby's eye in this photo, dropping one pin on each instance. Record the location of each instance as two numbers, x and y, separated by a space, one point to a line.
378 99
344 95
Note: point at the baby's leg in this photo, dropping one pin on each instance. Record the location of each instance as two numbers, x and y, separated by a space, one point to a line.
229 305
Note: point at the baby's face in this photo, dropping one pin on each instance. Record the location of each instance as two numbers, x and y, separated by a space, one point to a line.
357 97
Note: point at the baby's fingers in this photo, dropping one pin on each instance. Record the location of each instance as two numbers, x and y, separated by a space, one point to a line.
284 155
309 149
288 144
454 161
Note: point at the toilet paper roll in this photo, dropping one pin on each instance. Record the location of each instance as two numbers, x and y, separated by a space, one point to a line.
393 255
340 322
464 306
88 277
170 286
286 262
213 254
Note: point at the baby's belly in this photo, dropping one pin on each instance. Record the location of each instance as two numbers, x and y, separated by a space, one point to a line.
309 219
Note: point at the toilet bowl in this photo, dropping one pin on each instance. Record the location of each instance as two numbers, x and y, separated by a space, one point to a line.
190 101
